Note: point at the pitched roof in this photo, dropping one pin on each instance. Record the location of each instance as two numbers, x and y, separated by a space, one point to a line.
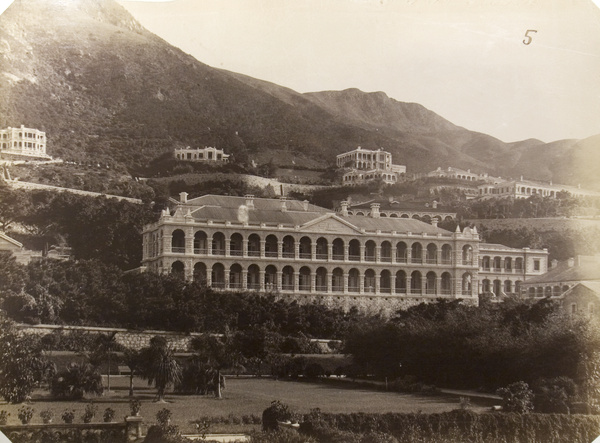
584 268
268 211
11 240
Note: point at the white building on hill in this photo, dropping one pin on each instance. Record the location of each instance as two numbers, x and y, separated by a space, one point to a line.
206 154
366 165
23 144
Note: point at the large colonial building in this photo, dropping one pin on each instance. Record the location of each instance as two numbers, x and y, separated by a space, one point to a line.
298 249
366 165
23 144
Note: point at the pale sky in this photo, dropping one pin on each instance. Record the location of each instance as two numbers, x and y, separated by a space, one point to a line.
464 59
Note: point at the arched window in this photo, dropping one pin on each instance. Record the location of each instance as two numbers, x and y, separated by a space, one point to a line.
416 285
507 287
369 281
321 280
235 276
431 253
271 246
178 242
200 243
446 254
218 244
218 276
338 249
287 278
497 264
386 252
270 278
253 245
431 283
200 273
400 282
446 284
289 245
508 264
253 278
401 252
519 264
486 286
385 282
531 292
337 280
485 263
417 253
548 291
354 250
236 245
305 247
353 280
322 246
370 250
178 269
304 283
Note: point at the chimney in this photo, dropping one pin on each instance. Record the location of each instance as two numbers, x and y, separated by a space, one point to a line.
571 262
434 222
305 205
249 201
434 204
553 264
375 210
283 204
344 206
183 197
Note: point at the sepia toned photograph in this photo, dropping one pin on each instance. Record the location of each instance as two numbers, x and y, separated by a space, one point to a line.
300 221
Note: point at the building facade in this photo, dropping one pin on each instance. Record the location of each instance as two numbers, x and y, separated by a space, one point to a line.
298 249
527 188
459 174
206 154
429 213
23 143
504 271
366 165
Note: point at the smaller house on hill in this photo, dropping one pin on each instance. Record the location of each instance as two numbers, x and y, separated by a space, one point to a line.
22 255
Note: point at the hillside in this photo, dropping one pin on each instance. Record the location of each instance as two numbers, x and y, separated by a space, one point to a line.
106 89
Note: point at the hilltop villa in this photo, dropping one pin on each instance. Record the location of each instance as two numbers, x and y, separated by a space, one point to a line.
365 165
23 144
300 250
206 154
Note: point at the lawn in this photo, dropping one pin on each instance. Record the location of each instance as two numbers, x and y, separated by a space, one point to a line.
242 396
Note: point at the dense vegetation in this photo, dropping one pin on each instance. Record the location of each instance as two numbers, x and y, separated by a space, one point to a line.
453 345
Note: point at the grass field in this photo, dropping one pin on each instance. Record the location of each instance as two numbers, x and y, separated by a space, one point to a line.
243 396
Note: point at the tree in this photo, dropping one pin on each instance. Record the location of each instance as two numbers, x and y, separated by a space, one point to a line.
75 381
160 366
104 346
132 358
517 397
22 367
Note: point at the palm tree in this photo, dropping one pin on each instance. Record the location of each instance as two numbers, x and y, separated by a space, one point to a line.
131 358
104 347
160 366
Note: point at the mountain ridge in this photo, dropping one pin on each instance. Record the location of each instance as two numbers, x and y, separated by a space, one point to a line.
103 87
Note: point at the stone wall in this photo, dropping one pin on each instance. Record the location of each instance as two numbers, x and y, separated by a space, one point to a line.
129 338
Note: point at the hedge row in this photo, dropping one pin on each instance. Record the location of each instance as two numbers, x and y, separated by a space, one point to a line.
457 426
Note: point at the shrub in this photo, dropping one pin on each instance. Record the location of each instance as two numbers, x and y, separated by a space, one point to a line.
47 415
108 415
554 395
516 397
134 407
276 412
68 415
4 417
25 414
75 381
163 417
89 413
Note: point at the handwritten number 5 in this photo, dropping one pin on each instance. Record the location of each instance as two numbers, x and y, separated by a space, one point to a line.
528 37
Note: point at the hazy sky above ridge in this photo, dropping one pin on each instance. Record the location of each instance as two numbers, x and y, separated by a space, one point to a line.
464 59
